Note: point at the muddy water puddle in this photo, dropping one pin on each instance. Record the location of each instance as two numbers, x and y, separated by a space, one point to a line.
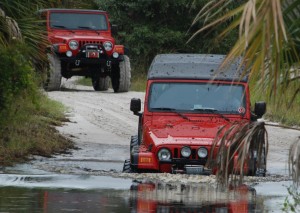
87 193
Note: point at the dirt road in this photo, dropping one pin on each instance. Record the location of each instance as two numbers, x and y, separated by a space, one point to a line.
101 125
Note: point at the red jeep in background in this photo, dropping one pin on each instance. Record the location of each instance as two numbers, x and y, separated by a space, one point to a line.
82 45
188 99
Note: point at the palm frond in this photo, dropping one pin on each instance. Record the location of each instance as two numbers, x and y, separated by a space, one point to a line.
268 39
294 161
237 146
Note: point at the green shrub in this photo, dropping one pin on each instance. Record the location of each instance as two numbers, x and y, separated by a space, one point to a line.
16 75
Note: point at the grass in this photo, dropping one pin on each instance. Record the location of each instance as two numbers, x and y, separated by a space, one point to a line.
28 128
280 110
138 82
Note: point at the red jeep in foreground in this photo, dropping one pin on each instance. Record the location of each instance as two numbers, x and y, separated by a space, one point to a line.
82 45
188 99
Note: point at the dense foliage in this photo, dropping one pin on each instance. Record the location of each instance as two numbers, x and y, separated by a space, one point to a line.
148 28
16 75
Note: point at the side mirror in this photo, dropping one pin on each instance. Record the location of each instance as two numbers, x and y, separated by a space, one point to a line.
135 105
260 109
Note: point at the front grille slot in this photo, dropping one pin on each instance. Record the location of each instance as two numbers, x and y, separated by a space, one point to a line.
194 154
175 153
84 42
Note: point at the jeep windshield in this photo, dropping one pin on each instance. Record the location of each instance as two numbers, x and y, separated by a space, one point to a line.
78 21
204 98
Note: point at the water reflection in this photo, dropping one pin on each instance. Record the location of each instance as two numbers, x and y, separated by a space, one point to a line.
141 197
14 199
167 198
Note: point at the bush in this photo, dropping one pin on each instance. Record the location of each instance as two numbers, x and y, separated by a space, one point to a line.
16 76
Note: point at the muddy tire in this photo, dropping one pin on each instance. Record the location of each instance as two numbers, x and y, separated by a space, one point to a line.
53 81
100 83
134 142
121 76
127 166
254 168
261 167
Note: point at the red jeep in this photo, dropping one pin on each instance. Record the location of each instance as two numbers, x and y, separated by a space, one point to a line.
82 45
188 99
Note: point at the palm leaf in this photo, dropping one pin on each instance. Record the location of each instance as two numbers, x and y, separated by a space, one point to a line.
268 40
294 161
233 148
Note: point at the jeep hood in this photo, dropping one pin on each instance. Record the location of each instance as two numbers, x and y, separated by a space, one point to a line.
94 35
178 130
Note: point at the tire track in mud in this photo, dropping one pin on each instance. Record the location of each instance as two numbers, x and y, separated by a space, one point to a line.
107 110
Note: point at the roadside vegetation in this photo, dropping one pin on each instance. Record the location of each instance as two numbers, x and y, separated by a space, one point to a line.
27 117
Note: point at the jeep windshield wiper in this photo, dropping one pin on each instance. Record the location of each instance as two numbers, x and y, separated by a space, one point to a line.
211 110
88 28
59 26
85 27
171 110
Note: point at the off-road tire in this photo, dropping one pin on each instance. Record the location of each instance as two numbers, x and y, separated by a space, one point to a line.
254 170
121 76
100 83
261 170
134 142
53 81
127 167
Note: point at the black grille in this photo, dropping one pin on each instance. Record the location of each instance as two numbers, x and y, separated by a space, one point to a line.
84 42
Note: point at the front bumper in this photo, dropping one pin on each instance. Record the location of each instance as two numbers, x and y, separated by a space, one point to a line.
188 166
77 61
192 170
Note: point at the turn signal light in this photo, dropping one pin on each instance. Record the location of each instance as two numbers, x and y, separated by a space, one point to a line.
119 49
62 48
145 160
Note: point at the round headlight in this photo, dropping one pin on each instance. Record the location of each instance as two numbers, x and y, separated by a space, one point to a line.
107 46
202 152
164 154
73 45
186 151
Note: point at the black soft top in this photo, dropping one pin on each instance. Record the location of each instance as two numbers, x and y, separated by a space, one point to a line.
69 10
195 66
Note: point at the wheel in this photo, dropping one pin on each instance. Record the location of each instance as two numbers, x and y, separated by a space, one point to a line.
256 169
261 167
121 76
127 167
134 142
53 81
100 83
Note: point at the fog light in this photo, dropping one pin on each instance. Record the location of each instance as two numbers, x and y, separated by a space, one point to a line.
115 55
202 152
69 53
186 151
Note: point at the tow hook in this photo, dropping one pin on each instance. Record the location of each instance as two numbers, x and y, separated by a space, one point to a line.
77 63
108 63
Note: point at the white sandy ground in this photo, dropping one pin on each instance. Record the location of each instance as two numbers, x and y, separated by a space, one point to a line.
101 126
